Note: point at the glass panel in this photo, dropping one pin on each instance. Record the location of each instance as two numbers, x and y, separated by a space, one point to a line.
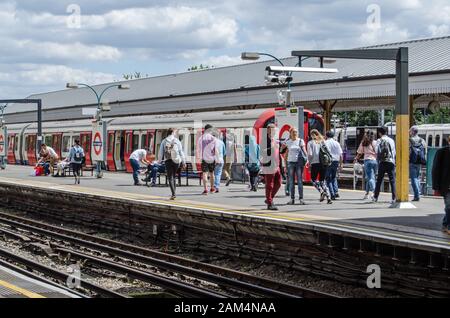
66 144
192 145
144 142
430 141
110 143
135 142
16 143
445 140
437 142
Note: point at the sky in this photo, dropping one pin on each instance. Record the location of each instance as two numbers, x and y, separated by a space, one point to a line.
45 44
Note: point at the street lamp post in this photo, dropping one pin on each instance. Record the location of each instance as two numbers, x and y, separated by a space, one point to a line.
99 110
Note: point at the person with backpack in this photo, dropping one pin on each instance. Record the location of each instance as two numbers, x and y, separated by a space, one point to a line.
251 159
76 156
441 181
171 152
336 163
136 158
417 158
386 163
367 150
296 161
319 159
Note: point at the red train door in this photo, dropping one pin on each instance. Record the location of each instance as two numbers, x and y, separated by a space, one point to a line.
110 153
85 139
11 143
306 172
128 149
57 142
31 150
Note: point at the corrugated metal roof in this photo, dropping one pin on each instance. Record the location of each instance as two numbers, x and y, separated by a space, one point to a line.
425 55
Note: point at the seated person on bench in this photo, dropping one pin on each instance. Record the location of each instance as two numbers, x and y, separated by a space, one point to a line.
61 165
153 169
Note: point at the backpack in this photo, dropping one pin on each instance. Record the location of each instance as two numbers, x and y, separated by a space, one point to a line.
324 155
384 151
78 155
171 151
417 153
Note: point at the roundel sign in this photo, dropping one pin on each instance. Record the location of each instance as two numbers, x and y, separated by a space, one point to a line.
97 144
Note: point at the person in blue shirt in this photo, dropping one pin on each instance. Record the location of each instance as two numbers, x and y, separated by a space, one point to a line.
252 163
220 146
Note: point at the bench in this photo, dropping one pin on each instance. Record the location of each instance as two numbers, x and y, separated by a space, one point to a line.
90 168
187 172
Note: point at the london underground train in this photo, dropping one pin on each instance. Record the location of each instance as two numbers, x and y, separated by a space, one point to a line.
126 134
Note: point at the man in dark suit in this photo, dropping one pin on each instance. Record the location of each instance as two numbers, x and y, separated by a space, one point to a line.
441 181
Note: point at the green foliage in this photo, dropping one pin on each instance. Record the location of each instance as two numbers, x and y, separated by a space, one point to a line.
136 75
199 67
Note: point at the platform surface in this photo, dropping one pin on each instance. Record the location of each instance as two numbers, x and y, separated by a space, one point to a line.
350 212
16 285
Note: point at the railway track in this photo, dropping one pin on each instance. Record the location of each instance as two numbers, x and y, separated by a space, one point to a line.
227 279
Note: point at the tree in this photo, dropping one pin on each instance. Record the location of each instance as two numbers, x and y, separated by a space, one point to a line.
199 67
136 75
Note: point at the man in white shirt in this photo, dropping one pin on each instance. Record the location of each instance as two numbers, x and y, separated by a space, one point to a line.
336 154
386 163
136 158
47 155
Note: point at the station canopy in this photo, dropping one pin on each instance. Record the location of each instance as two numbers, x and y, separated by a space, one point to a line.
365 84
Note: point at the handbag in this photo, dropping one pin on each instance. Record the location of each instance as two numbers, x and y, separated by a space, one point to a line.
302 159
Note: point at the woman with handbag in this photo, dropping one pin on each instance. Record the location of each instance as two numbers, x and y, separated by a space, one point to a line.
367 150
296 161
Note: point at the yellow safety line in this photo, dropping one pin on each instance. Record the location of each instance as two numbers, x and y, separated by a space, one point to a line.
20 290
248 212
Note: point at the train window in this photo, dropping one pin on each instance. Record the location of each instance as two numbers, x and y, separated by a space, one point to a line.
437 141
430 141
181 137
110 143
66 144
128 142
32 144
48 140
192 145
445 140
144 142
135 142
16 143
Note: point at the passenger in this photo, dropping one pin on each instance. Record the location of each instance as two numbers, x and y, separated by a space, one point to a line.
136 158
284 167
296 161
229 158
251 152
367 150
206 154
171 152
417 158
76 156
319 158
386 163
153 169
219 161
441 181
336 163
48 157
270 158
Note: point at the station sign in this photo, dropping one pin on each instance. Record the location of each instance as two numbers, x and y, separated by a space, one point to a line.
98 147
286 118
3 142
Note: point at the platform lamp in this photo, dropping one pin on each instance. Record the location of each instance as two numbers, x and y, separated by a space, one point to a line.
98 113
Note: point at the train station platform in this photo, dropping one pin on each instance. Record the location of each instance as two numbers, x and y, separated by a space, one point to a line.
16 285
419 227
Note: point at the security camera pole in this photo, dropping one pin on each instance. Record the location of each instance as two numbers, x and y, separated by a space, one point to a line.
98 143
